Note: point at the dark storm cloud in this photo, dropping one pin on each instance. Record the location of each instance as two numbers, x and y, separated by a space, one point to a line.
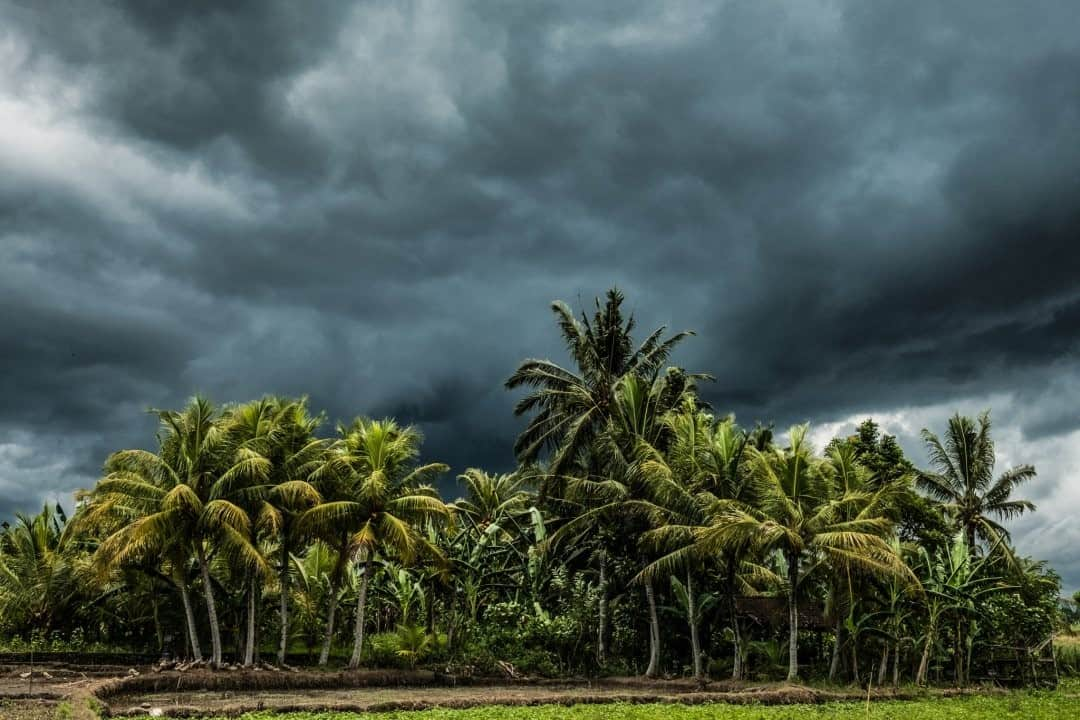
856 205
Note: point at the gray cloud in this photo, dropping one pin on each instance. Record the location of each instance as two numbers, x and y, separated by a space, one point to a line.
859 207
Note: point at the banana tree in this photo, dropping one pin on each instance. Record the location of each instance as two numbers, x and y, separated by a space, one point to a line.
954 583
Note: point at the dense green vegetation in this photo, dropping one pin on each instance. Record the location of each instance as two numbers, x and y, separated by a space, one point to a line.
643 532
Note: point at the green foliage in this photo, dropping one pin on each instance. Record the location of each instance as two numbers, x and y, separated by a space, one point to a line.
1067 653
643 531
405 647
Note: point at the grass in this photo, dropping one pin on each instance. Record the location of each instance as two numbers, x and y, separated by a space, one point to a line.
1064 703
1067 649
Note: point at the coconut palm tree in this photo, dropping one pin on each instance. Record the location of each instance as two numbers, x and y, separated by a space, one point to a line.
250 429
634 437
492 499
386 498
570 407
703 469
41 578
869 494
175 503
273 450
333 482
964 481
293 453
804 519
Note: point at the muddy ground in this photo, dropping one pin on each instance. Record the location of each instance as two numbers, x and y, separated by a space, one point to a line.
192 704
59 689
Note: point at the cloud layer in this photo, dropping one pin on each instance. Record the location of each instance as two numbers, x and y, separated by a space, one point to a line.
861 208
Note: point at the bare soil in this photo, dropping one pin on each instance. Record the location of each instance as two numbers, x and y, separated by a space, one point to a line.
200 692
233 695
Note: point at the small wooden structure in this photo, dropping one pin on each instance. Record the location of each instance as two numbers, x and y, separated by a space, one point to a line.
1020 666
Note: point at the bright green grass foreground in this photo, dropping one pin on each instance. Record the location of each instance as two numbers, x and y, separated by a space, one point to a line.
1036 706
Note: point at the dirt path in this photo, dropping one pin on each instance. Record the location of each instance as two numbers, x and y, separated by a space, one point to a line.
194 703
204 693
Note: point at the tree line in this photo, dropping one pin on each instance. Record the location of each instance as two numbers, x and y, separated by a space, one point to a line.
642 532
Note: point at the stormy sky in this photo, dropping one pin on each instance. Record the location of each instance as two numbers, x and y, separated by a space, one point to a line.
861 208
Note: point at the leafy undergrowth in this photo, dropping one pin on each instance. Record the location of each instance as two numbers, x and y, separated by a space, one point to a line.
1033 706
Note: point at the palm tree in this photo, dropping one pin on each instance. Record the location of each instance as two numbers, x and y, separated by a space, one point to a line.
333 484
175 502
801 517
387 498
40 572
272 441
571 407
250 429
870 495
294 453
702 470
964 481
635 436
492 499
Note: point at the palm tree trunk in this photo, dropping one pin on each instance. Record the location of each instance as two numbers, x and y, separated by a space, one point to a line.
691 611
249 643
793 618
601 650
283 644
834 665
883 668
324 654
358 631
967 660
855 658
924 663
737 665
896 664
654 632
192 631
157 621
211 608
737 669
961 651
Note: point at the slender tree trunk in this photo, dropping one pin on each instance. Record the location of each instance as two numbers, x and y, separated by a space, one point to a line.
324 655
249 643
157 622
793 618
211 608
834 665
192 631
601 649
358 631
967 660
958 654
431 608
654 632
855 659
896 664
691 611
924 663
737 670
883 668
283 644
